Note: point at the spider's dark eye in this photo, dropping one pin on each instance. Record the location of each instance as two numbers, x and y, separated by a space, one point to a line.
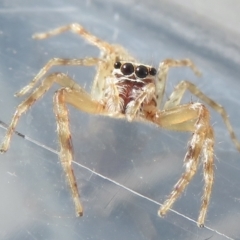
153 71
117 65
141 71
127 68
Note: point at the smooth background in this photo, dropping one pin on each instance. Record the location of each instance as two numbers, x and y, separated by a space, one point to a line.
35 201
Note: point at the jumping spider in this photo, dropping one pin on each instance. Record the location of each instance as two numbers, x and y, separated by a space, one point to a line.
124 88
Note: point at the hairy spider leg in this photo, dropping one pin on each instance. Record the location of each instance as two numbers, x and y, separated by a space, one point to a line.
80 30
59 78
208 175
109 52
163 70
178 93
77 97
57 62
82 101
194 118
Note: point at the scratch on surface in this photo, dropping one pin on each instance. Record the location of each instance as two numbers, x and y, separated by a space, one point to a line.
4 126
12 174
149 199
30 234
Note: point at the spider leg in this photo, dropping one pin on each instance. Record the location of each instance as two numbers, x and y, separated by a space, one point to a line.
163 71
194 118
57 62
208 174
110 52
80 30
178 93
59 78
85 103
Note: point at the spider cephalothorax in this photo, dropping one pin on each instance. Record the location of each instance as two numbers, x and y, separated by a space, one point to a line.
129 87
124 88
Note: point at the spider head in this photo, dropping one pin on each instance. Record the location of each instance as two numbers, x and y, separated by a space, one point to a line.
133 71
130 87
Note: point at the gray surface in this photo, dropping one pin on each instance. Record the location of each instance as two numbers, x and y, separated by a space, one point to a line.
35 201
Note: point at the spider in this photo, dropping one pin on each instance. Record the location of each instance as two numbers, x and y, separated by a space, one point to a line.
125 88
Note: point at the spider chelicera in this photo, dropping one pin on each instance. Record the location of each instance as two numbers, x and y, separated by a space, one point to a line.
124 88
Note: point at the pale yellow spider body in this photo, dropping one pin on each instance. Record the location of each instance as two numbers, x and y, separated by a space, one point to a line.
124 88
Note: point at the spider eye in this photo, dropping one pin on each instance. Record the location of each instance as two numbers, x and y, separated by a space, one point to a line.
127 68
117 65
141 71
153 71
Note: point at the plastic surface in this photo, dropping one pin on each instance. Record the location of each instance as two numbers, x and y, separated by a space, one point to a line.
140 158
